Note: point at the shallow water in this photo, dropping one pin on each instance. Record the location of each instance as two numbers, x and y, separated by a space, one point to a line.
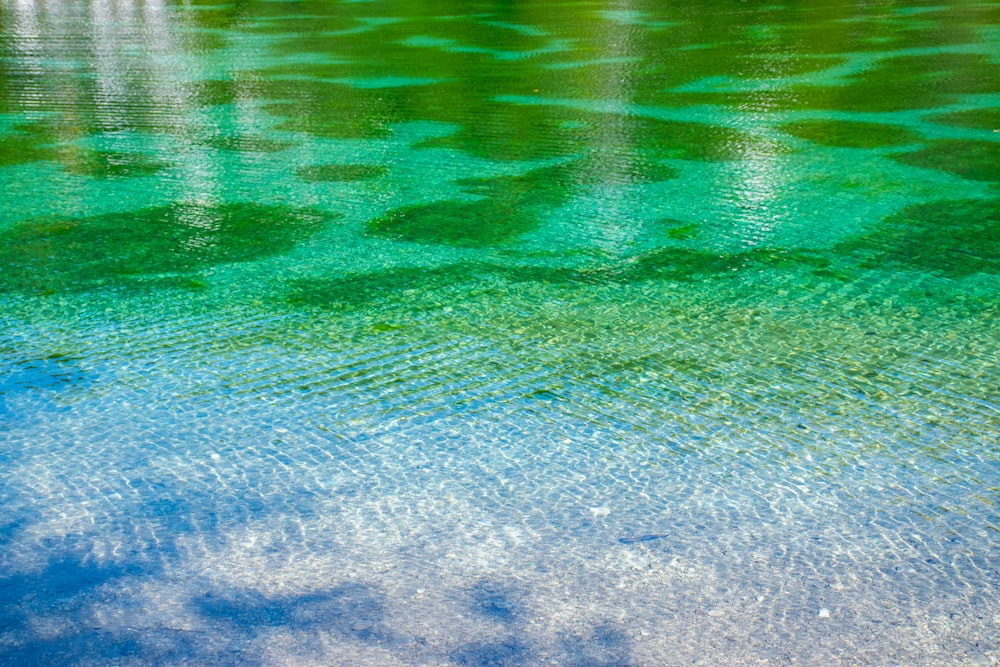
403 333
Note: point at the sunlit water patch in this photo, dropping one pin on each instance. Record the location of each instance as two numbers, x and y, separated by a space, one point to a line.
370 333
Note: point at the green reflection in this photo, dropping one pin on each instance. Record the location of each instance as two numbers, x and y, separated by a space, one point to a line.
894 83
500 131
23 145
955 238
147 246
537 130
849 134
512 205
460 223
248 144
413 283
330 110
341 172
687 264
624 99
977 119
975 160
40 141
110 164
363 288
909 82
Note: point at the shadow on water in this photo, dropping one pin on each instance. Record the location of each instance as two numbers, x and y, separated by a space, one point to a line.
71 613
77 611
74 608
510 651
48 617
605 646
351 610
506 604
497 601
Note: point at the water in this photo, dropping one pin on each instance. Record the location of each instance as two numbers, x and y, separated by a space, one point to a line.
403 333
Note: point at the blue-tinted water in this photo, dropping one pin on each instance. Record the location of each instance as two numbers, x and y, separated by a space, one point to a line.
401 333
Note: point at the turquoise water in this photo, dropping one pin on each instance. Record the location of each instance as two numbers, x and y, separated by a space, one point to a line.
499 333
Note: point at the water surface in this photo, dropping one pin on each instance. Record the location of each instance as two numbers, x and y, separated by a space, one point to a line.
499 333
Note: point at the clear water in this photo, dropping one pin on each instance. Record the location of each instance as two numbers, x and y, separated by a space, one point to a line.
499 333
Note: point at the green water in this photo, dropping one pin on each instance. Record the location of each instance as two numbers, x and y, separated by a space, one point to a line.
393 332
